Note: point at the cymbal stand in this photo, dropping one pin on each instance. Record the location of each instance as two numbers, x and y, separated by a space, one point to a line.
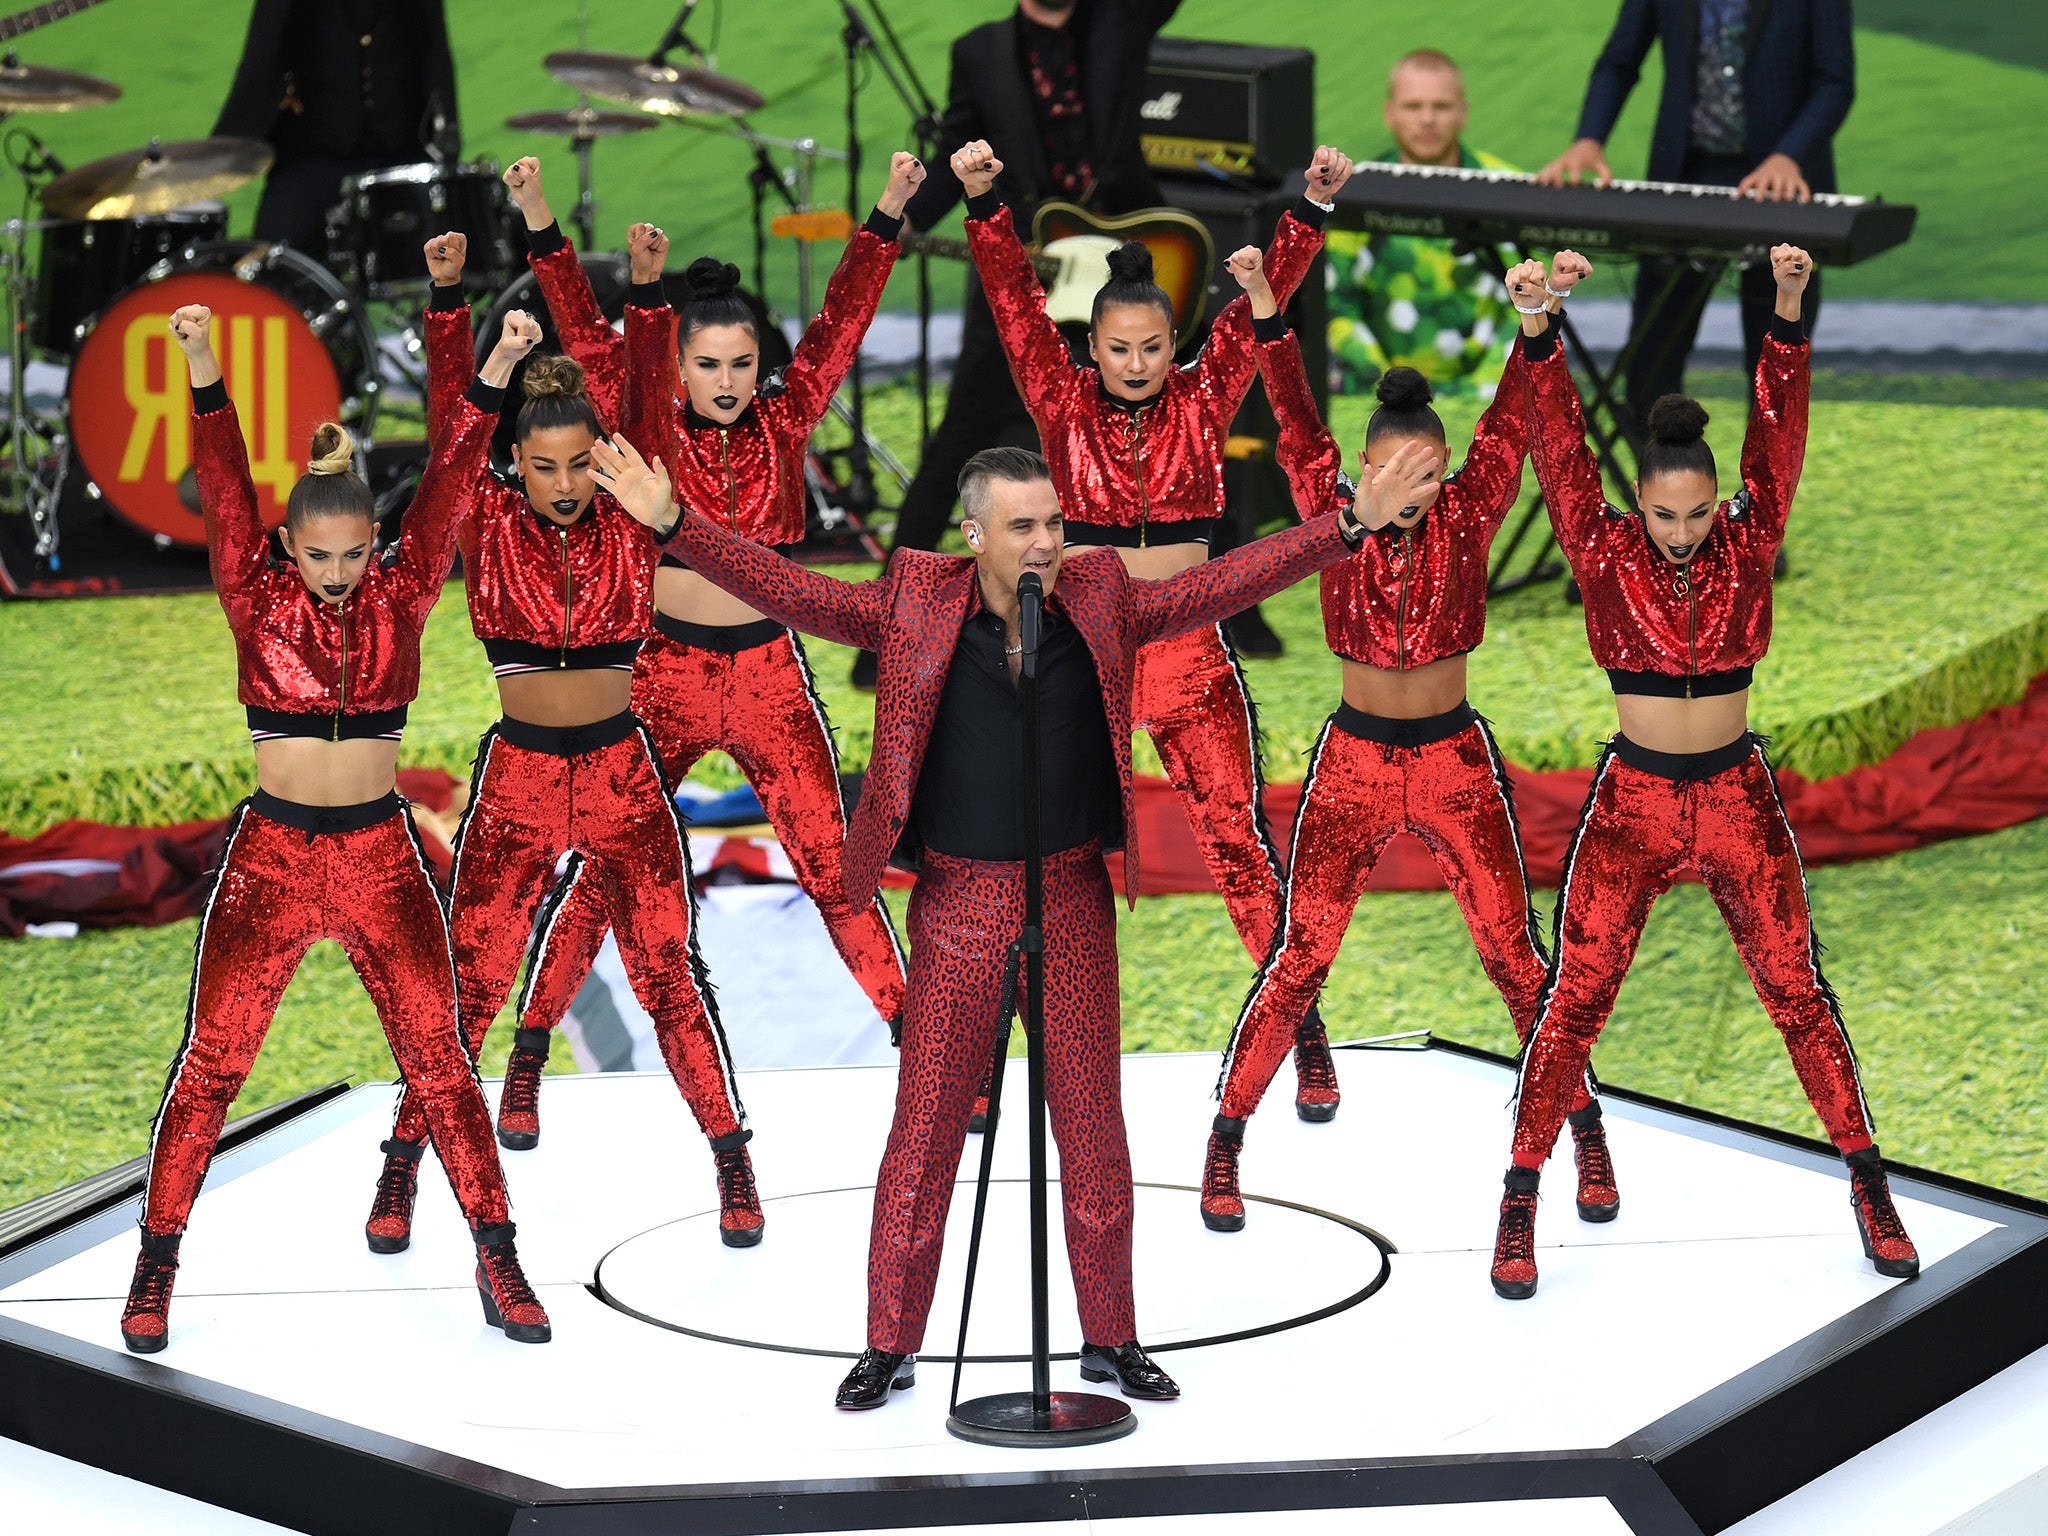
26 486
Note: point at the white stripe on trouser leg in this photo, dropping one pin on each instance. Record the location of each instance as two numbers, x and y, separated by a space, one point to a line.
1251 729
551 909
419 852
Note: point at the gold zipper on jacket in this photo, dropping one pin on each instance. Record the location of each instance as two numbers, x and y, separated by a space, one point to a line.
1138 471
568 588
1401 606
732 490
341 698
1692 624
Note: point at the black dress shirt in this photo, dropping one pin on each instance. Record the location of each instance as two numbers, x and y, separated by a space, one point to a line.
970 790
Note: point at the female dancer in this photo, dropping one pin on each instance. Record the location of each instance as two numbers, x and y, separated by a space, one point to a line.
328 649
715 674
559 579
1678 610
1138 444
1405 751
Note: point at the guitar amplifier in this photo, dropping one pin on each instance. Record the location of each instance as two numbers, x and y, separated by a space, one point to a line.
1228 108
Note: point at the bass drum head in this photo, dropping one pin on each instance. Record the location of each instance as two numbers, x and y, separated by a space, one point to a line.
610 276
86 263
294 353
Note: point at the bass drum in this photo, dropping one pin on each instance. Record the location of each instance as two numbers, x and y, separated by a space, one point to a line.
87 262
376 237
610 276
294 350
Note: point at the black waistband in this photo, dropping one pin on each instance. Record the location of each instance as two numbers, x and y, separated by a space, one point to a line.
316 819
569 740
1184 530
676 562
726 639
1683 766
553 658
1389 732
357 725
1666 685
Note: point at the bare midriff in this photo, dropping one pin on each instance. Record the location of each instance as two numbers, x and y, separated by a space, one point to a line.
1155 562
575 697
1682 725
1435 688
687 596
310 771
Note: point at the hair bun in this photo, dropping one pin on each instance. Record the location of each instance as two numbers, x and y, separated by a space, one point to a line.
1404 389
552 374
1131 262
1677 419
334 451
710 278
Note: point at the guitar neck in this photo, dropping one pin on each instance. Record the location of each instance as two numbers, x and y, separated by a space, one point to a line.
14 26
959 250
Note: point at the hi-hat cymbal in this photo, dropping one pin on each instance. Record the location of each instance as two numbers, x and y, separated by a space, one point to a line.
33 88
157 178
581 123
659 88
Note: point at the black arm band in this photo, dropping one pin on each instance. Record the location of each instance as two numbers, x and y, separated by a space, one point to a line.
986 206
1791 332
545 242
208 398
449 297
488 398
882 227
1311 214
1273 327
1537 348
647 295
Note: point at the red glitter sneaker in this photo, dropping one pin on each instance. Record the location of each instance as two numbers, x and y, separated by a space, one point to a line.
1222 1205
146 1320
740 1222
1315 1074
519 1101
1599 1196
1514 1250
389 1228
509 1303
1885 1243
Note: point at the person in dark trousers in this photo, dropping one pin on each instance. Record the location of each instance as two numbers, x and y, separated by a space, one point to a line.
1055 86
337 88
1754 91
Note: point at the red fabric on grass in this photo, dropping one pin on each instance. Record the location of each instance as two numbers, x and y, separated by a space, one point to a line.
1953 781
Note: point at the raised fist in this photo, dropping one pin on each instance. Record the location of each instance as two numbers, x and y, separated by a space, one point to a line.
648 248
1568 269
445 256
520 335
522 180
976 165
1248 266
1330 169
1525 286
1791 269
906 175
191 325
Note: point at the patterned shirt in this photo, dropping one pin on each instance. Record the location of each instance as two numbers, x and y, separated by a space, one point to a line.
1052 69
1405 301
1720 124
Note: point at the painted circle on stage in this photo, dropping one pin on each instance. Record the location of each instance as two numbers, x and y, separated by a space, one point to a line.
804 1289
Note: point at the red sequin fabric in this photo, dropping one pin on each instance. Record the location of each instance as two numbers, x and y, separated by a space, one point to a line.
964 916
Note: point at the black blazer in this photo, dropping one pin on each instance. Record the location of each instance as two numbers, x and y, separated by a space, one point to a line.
986 99
1797 84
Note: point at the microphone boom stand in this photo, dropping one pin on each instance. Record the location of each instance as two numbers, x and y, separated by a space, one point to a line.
1040 1417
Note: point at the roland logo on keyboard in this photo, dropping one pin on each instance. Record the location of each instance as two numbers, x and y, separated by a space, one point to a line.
1163 108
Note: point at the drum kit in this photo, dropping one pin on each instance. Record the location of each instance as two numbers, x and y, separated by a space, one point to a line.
303 336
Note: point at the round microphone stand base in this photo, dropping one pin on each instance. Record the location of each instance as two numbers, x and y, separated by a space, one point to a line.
1075 1418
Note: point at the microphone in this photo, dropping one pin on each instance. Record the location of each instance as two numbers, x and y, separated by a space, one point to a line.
48 164
1030 610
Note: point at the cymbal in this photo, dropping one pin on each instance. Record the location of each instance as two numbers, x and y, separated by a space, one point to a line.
34 88
156 178
581 123
660 88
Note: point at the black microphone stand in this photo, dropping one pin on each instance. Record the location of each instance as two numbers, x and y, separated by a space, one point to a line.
1041 1416
860 476
676 37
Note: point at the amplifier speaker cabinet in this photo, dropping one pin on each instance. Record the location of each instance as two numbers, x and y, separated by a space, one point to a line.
1228 107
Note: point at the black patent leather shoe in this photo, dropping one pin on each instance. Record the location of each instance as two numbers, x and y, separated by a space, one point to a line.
1130 1367
873 1377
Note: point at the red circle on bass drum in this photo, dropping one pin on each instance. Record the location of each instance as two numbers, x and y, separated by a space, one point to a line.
131 408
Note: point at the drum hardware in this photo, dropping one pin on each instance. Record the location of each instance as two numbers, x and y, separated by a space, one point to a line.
583 125
376 235
157 178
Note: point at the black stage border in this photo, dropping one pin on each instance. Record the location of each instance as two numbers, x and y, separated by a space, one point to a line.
1735 1449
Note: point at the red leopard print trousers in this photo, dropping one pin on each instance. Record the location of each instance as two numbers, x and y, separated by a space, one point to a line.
1639 829
964 915
757 702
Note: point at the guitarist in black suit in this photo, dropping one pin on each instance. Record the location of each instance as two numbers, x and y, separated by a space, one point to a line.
1055 88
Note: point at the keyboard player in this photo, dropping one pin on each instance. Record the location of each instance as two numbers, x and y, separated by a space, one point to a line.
1754 92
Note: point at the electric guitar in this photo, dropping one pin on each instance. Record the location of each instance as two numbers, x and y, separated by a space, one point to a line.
1070 252
35 16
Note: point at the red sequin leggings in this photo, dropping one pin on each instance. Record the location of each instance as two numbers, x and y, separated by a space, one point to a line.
750 695
1449 788
537 792
964 916
1642 825
291 875
1190 695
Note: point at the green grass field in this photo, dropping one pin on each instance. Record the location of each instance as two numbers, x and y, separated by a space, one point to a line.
1933 125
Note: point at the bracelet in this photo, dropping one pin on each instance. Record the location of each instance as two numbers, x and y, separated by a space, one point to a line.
1525 309
1555 293
1330 207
